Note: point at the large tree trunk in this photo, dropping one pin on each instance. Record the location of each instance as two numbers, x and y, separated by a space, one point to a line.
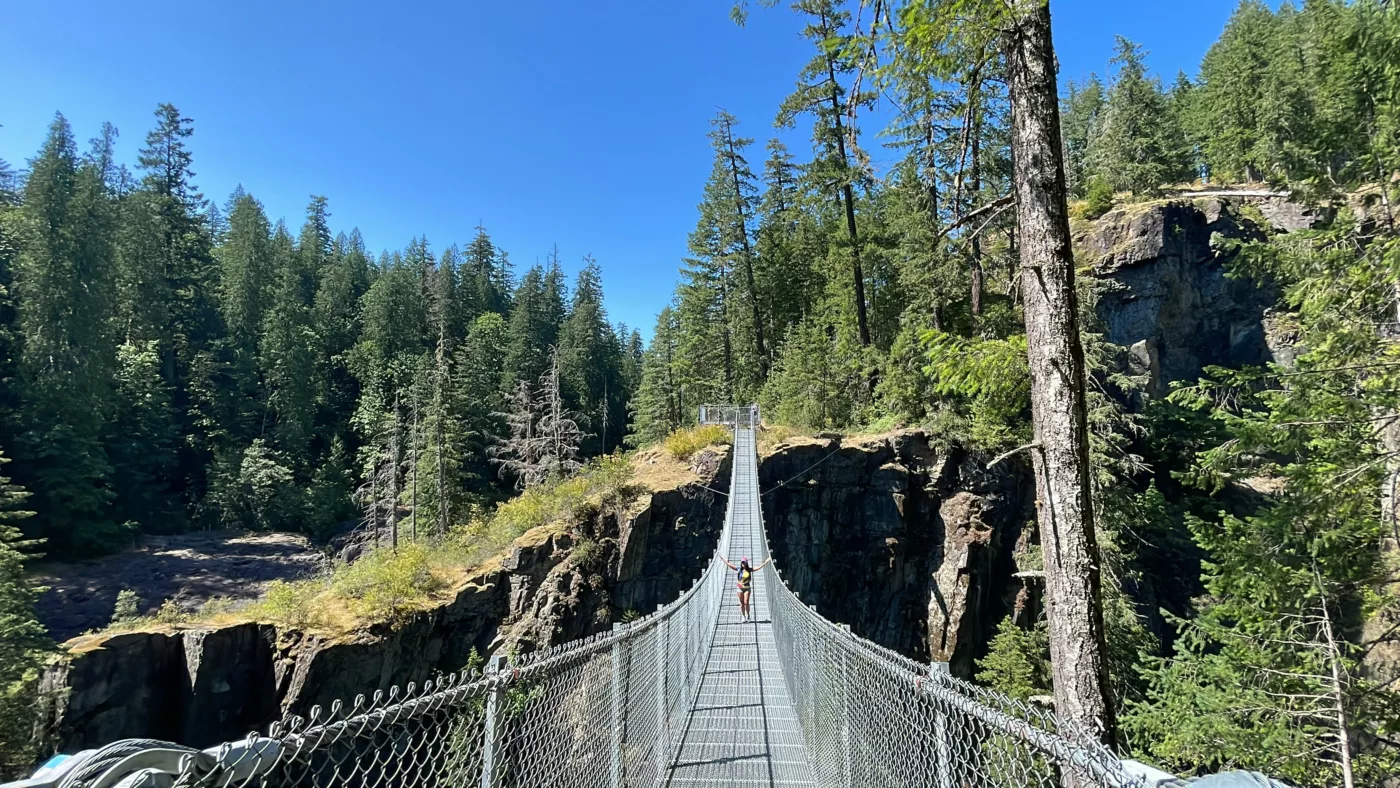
849 200
857 273
728 343
1065 506
759 343
976 190
971 151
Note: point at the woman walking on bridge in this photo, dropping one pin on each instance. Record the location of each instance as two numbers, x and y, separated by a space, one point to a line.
745 582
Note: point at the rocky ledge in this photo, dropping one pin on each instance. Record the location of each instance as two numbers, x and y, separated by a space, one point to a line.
912 544
199 686
1165 293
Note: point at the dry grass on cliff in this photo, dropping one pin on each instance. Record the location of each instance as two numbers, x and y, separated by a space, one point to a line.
771 435
654 469
387 585
605 482
775 436
685 442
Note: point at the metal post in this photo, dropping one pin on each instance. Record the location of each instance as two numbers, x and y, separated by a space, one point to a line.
943 766
812 678
846 775
490 734
619 705
663 735
687 622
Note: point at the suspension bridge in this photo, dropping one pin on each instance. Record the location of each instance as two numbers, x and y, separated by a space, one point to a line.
690 696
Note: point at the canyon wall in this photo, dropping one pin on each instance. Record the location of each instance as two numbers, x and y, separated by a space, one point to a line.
913 545
202 685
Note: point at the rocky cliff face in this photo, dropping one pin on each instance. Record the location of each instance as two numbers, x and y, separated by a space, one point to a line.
199 686
911 545
1165 296
917 547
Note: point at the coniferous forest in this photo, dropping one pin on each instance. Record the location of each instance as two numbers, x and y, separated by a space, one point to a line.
170 362
171 365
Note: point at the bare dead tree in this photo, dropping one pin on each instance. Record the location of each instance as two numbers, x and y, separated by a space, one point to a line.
519 454
559 430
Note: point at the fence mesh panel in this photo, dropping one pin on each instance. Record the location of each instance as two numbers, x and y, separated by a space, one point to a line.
611 709
871 716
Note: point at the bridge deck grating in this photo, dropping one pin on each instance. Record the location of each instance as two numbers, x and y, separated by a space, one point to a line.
743 729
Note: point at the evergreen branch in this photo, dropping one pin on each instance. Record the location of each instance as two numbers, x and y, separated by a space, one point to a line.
1004 455
1333 422
996 207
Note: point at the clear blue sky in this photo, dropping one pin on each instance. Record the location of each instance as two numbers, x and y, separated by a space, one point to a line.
581 123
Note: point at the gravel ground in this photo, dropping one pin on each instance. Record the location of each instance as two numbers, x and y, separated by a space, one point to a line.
190 568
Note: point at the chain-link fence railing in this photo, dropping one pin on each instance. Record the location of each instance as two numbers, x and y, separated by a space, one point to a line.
871 716
730 415
605 710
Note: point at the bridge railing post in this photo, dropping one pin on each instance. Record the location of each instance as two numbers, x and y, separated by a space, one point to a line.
663 713
619 706
688 624
846 771
490 733
943 749
814 672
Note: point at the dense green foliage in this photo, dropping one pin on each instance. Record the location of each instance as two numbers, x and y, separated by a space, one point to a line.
1274 601
1271 666
22 638
170 365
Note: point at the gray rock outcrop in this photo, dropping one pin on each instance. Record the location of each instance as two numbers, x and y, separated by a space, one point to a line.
1165 295
911 545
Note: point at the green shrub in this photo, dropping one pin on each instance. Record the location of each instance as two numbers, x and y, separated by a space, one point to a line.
947 426
289 604
170 612
587 553
684 443
990 378
535 507
606 480
1098 200
1018 661
386 584
128 607
884 423
1251 212
19 746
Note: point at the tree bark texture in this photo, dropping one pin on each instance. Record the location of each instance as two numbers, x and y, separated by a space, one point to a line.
1059 411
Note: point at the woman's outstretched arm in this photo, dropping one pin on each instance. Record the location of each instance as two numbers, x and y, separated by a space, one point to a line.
731 566
766 562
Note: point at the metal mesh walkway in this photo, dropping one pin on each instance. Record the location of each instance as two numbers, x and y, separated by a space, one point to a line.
743 729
